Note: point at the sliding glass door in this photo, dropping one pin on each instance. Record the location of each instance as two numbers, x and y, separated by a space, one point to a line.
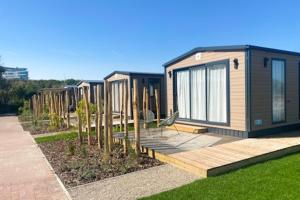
202 93
278 91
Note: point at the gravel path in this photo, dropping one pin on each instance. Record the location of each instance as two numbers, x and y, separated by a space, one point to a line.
134 185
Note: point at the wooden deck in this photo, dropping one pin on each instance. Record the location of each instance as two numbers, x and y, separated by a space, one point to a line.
206 155
188 128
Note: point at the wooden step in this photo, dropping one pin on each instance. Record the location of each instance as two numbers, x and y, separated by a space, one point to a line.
188 128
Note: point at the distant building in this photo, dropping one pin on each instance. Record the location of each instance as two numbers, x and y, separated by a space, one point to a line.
15 73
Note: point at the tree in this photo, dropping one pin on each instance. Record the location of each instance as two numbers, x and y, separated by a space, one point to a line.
2 70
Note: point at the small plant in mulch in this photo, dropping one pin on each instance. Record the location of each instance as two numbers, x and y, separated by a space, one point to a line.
78 164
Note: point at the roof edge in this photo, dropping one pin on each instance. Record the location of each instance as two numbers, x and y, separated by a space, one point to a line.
227 48
132 73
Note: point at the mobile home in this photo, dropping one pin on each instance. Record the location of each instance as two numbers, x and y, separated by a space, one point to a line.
151 80
240 90
91 84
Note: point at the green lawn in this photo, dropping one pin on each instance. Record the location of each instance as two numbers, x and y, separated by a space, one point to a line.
53 138
276 179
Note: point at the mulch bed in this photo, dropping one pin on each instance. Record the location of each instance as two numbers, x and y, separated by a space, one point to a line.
42 128
76 165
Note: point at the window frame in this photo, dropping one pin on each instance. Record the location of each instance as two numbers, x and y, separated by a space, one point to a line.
226 62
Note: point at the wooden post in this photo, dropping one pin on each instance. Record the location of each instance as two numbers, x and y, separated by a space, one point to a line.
79 127
34 105
126 139
37 106
95 95
62 103
144 106
50 106
121 90
99 118
75 91
106 148
110 119
59 106
136 117
54 103
157 102
67 108
87 113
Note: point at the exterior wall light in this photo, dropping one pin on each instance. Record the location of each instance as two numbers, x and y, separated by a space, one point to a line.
266 60
170 74
236 63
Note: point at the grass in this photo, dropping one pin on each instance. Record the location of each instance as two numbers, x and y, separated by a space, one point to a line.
275 179
58 137
73 135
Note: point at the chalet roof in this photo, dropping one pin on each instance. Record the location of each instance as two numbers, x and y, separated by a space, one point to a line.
133 73
226 48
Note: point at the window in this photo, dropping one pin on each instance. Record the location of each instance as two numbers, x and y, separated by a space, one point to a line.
183 93
198 93
217 93
201 93
116 96
278 90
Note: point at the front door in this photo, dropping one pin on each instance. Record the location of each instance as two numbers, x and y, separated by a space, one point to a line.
154 83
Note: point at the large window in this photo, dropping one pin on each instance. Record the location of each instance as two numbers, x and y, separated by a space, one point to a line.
278 90
201 93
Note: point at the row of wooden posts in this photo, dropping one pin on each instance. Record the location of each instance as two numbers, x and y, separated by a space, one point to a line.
58 103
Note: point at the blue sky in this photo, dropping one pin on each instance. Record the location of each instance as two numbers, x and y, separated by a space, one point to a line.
61 39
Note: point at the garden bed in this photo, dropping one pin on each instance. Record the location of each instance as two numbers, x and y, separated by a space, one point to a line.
41 127
76 165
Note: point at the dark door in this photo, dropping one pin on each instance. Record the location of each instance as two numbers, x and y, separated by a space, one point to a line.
154 83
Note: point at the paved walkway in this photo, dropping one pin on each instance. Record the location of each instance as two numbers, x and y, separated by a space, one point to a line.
24 172
134 185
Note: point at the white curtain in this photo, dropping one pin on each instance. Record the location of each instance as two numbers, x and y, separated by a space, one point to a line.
117 94
217 91
116 97
113 96
278 90
183 94
198 94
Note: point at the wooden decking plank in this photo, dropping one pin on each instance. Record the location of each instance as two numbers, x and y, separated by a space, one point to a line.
192 159
224 156
203 158
187 161
238 155
239 148
188 128
288 141
264 144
